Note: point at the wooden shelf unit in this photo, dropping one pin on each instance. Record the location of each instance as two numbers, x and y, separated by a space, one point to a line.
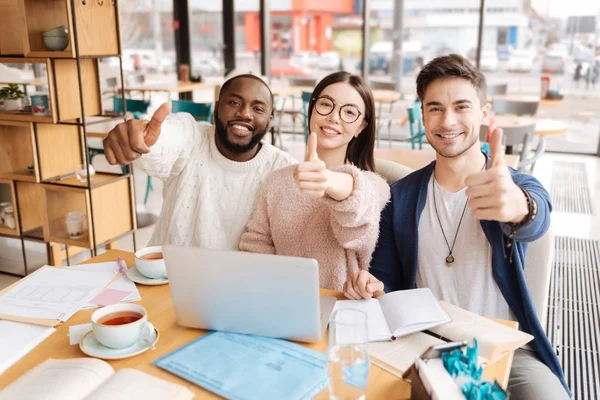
25 21
18 152
63 90
32 204
5 230
55 153
112 210
54 144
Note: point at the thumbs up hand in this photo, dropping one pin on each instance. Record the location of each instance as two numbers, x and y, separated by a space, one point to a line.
312 176
493 195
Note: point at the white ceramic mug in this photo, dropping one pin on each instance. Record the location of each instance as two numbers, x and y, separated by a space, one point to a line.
124 335
153 269
75 224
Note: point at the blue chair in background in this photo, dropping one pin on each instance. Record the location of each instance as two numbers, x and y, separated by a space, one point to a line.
415 123
304 112
200 111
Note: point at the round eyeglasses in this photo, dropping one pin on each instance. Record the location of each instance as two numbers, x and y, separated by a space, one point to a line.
348 113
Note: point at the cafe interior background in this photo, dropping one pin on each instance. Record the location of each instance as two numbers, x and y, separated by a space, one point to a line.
542 53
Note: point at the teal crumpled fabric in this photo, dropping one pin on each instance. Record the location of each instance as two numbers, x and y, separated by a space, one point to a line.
467 374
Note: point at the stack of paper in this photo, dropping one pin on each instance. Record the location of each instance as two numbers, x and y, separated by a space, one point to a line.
51 295
123 284
18 339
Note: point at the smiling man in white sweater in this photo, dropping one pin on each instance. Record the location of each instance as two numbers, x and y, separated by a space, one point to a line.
211 174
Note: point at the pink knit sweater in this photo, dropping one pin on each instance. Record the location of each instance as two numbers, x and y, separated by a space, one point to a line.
340 235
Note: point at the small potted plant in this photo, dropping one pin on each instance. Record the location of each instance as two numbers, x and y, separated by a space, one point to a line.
12 97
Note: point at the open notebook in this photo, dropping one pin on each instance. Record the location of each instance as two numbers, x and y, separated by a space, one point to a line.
89 378
400 313
494 340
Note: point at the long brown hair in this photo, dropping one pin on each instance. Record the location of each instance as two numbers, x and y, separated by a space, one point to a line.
360 149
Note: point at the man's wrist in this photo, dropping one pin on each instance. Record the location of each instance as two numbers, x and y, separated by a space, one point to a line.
523 207
530 215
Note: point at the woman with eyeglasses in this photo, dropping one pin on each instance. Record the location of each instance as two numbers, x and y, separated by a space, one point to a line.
327 207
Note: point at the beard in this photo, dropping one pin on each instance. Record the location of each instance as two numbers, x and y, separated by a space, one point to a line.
451 153
221 131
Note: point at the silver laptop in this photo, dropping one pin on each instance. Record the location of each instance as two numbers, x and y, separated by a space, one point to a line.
241 292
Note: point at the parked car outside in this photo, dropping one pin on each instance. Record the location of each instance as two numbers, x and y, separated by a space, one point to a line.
329 60
206 67
305 58
285 68
521 61
554 63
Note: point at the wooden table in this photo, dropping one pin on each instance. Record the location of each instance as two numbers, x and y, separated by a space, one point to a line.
525 98
170 87
417 159
157 301
99 129
543 127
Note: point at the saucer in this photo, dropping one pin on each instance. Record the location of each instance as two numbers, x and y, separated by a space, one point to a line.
93 348
137 277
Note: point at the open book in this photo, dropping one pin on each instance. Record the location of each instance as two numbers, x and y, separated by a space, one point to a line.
399 313
494 340
90 378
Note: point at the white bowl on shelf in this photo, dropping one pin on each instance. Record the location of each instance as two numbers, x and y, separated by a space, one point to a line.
56 39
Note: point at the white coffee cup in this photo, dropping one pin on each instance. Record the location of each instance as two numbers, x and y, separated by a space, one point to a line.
123 335
75 224
153 269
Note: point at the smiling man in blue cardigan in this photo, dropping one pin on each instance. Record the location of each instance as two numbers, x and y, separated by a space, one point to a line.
461 225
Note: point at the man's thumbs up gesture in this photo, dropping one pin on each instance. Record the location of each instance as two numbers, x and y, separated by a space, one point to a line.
127 141
312 176
492 193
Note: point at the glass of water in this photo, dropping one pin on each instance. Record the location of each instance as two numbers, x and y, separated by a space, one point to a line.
346 355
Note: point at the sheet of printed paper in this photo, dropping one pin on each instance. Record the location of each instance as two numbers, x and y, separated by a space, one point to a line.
53 293
123 283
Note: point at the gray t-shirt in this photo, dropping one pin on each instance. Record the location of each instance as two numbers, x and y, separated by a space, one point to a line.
468 281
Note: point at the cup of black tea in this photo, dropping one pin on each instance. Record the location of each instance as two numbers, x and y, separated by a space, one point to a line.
119 326
150 262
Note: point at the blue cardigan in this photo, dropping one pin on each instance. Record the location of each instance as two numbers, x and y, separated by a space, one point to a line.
395 258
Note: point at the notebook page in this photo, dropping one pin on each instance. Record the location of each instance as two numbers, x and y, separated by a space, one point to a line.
18 339
493 338
70 379
376 323
133 384
397 356
414 310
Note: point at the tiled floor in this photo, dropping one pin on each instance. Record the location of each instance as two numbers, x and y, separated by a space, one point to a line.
564 224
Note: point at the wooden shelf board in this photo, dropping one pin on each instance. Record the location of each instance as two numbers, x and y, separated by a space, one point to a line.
36 234
5 230
51 54
83 242
26 117
58 234
22 175
97 180
23 60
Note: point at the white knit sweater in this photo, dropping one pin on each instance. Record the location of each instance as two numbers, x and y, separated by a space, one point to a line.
207 198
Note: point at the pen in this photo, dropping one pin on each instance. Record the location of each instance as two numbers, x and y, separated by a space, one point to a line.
122 266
